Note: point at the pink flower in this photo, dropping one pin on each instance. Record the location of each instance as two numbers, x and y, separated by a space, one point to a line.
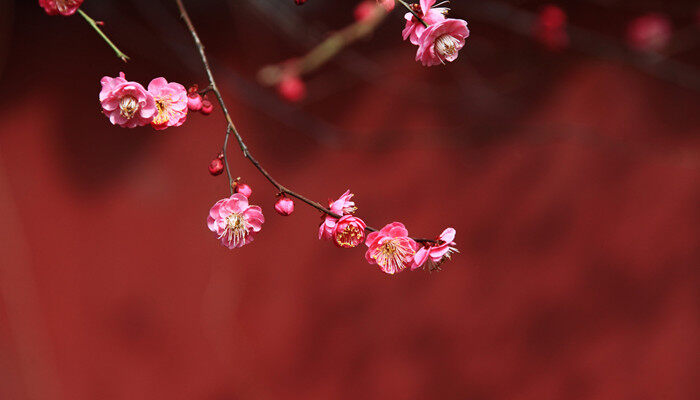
127 104
437 253
284 206
391 248
62 7
349 232
327 228
650 32
414 28
344 205
442 41
235 221
171 102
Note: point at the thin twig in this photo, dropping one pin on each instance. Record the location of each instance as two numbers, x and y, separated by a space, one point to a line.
94 26
412 11
232 128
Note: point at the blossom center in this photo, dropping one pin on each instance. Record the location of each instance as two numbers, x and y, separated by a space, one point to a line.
163 106
392 256
128 106
351 236
236 229
446 45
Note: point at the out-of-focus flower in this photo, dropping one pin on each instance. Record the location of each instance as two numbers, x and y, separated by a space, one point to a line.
194 100
299 2
442 41
550 28
216 166
127 104
207 106
171 102
414 28
364 10
243 189
437 253
235 221
349 232
284 206
650 32
387 4
60 7
391 248
292 89
344 204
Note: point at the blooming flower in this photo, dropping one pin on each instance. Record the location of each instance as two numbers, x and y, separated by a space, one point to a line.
284 206
442 41
344 204
235 221
349 231
414 28
127 104
62 7
650 32
437 253
171 102
390 248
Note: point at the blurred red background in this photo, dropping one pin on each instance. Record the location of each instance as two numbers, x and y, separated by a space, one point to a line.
572 181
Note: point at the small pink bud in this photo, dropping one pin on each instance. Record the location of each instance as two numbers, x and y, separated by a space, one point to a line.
216 166
284 206
207 106
292 89
194 100
243 189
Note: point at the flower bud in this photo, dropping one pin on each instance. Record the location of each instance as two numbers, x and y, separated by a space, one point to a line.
207 106
194 100
243 189
284 206
216 166
349 232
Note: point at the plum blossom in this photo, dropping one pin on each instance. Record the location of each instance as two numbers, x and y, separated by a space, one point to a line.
391 248
438 253
62 7
344 205
349 232
235 221
171 103
414 28
243 189
126 103
442 41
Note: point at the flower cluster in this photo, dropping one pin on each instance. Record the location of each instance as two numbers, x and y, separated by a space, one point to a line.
439 39
164 104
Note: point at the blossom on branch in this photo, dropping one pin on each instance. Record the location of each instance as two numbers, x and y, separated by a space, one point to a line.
349 232
235 221
442 41
436 253
414 28
171 103
127 104
391 248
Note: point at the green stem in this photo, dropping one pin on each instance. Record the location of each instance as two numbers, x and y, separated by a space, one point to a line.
94 25
412 11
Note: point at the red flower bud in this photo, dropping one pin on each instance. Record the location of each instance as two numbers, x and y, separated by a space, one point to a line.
243 189
284 206
216 166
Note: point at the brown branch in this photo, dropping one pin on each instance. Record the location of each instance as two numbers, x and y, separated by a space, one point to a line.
231 128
